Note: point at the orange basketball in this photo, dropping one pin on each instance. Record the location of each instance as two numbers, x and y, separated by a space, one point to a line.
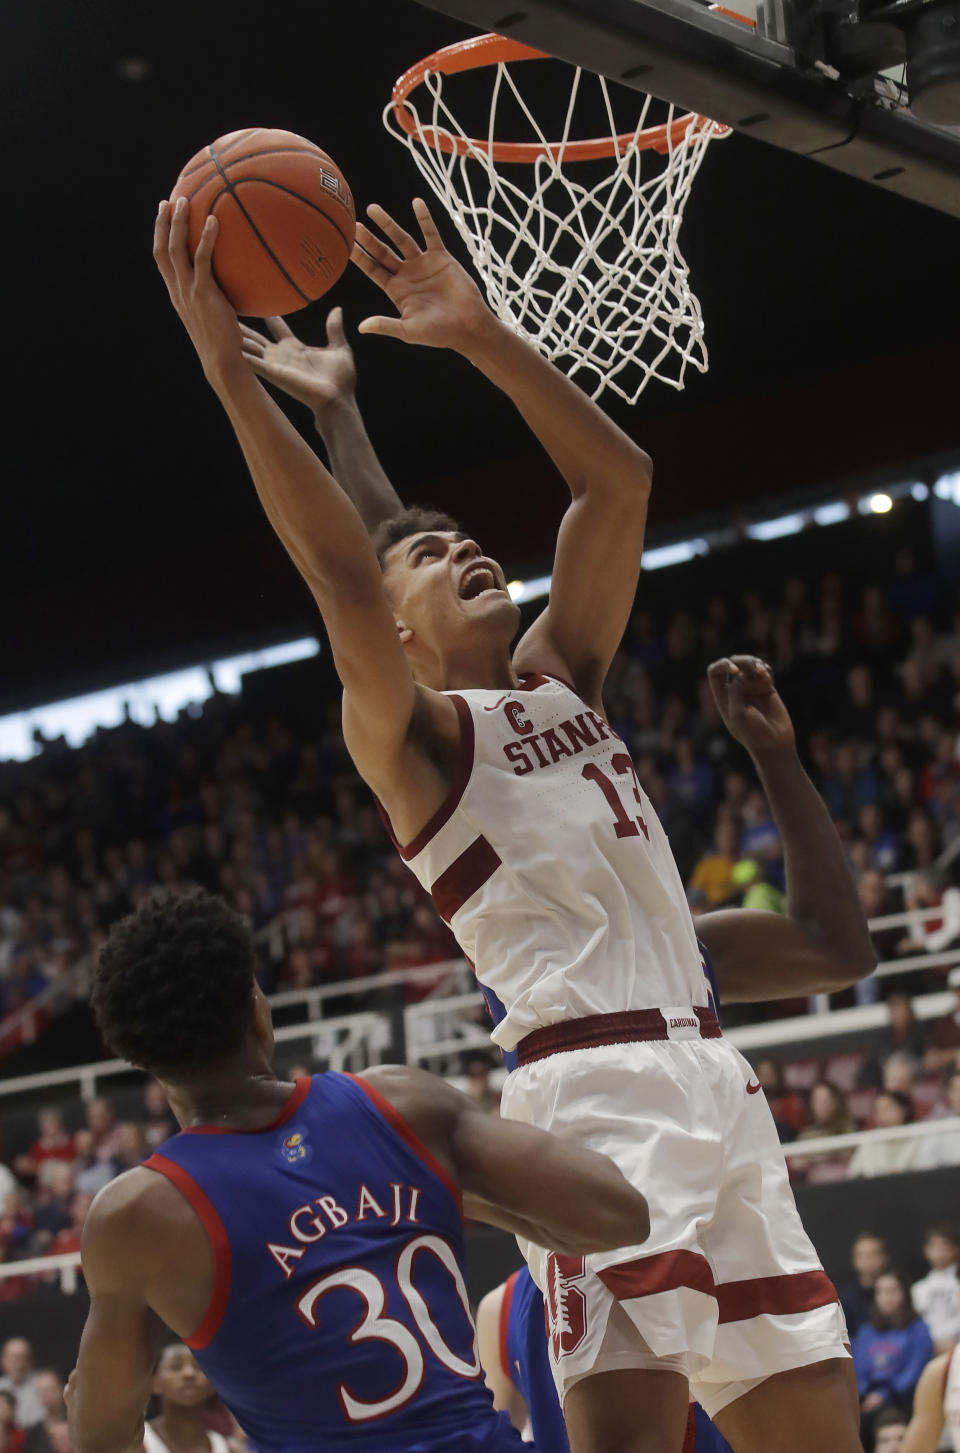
286 218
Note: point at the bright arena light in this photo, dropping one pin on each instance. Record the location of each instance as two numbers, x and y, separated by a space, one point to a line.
880 503
516 589
920 492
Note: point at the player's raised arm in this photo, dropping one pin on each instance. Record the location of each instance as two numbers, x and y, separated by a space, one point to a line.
319 527
601 537
516 1176
324 378
822 944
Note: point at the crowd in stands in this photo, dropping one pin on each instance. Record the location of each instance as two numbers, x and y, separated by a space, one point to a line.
273 816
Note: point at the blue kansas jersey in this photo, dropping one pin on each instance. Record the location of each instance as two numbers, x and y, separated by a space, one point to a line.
526 1361
339 1316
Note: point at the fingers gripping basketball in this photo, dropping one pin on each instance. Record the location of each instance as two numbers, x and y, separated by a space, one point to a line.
286 218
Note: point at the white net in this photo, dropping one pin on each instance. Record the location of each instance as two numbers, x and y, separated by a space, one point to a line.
589 271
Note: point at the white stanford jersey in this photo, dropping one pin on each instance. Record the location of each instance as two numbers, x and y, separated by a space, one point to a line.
951 1399
549 864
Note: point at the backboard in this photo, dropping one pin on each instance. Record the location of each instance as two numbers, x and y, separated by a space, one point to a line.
826 79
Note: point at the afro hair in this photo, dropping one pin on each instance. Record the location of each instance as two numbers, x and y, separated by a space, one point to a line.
173 986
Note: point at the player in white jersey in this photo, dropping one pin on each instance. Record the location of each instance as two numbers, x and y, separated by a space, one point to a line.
936 1404
517 805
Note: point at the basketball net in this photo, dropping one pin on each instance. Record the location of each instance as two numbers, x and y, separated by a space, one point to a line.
589 271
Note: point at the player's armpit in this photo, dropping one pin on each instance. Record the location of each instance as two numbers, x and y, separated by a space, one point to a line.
759 956
592 592
926 1425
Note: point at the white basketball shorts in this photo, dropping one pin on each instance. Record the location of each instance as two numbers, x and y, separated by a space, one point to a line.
728 1287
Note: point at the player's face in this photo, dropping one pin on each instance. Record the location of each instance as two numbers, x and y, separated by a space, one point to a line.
890 1439
441 585
179 1380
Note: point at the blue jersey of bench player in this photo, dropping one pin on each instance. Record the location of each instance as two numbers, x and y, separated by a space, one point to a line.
339 1316
524 1350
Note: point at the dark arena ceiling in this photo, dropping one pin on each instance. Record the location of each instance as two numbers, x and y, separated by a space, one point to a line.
131 536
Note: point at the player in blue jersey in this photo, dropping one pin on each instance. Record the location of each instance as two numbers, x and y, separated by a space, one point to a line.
516 1362
304 1240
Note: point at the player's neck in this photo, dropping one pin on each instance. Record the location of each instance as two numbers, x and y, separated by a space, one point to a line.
479 669
182 1429
242 1095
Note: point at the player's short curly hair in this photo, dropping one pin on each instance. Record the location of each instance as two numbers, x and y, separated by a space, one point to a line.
414 521
172 988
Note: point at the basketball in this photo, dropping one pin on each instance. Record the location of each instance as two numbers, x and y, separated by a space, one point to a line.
286 218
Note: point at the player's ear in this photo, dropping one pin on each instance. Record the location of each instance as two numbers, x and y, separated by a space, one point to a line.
262 1022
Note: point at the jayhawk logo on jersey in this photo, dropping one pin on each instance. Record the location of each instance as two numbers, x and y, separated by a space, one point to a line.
295 1147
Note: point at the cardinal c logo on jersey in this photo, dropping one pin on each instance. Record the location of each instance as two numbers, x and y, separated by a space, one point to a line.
294 1147
514 713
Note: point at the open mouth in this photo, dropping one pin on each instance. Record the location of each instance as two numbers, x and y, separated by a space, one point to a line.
477 580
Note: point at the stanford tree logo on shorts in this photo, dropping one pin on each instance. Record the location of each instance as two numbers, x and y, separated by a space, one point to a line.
566 1305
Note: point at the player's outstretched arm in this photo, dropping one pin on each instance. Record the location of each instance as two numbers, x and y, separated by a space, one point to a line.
601 537
926 1424
823 943
324 378
560 1196
319 527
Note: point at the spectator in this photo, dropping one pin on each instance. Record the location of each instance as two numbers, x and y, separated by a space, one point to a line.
712 875
879 1156
478 1086
49 1389
937 1295
890 1350
929 890
903 1038
132 1146
158 1121
829 1112
11 1437
875 902
52 1143
51 1210
69 1239
91 1173
16 1367
184 1395
883 844
747 879
943 1148
870 1257
786 1106
889 1428
898 1075
945 1036
100 1123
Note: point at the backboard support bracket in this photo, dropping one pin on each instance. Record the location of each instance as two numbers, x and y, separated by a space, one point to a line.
680 51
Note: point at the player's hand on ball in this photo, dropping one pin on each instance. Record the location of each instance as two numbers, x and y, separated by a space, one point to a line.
203 309
319 377
440 305
750 705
